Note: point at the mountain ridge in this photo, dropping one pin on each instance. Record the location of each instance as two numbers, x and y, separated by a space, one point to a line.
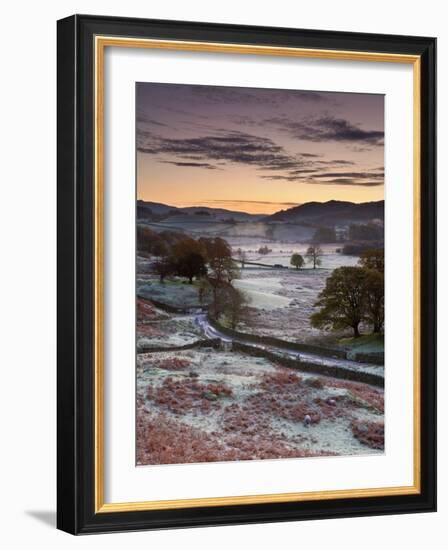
328 212
332 211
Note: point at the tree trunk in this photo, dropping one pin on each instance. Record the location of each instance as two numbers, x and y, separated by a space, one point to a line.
215 303
356 330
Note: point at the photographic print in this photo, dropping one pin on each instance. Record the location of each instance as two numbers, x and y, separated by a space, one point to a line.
221 238
259 273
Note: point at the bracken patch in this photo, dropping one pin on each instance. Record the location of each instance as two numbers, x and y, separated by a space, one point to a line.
188 395
369 433
145 310
372 397
163 441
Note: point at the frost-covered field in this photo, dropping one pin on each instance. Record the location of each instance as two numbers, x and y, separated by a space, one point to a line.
203 404
283 299
281 253
208 405
283 310
158 329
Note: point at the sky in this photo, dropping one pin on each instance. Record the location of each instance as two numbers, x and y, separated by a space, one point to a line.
257 150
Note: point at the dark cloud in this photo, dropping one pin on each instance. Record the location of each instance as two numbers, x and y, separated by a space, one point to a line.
212 151
247 96
142 118
363 179
301 171
328 128
224 147
359 175
334 181
191 164
351 181
338 162
279 177
235 147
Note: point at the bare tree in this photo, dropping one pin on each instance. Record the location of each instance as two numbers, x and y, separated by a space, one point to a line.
313 255
241 256
234 306
222 270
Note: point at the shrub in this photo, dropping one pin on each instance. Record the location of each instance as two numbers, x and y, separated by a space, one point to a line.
314 383
187 395
371 397
163 441
173 364
145 310
280 380
369 433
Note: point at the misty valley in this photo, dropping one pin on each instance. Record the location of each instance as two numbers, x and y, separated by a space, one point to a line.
259 336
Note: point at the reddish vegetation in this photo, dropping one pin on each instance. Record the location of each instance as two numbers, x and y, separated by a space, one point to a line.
287 398
241 420
369 433
220 390
181 396
266 446
190 415
163 441
290 405
145 310
315 383
173 363
280 380
147 330
373 397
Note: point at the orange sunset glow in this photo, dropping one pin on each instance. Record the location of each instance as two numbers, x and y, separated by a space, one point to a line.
257 150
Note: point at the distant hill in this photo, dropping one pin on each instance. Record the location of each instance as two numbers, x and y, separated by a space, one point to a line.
329 213
151 210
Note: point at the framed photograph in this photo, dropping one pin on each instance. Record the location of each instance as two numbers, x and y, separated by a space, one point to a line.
246 274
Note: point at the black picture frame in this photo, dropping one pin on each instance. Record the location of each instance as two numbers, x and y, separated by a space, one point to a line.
76 271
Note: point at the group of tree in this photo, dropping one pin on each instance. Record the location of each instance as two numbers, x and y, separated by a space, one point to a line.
209 261
365 232
325 235
264 250
202 213
156 244
189 258
226 300
353 295
185 258
313 255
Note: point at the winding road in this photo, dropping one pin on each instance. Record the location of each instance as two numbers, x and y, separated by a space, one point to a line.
210 332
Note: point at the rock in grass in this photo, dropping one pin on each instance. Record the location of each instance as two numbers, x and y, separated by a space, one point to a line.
210 396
